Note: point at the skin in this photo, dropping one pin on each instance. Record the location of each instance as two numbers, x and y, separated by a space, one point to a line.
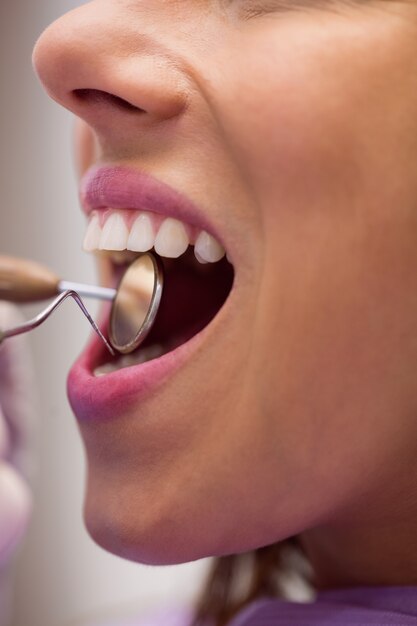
296 130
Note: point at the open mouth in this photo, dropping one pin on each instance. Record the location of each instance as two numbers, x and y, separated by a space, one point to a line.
130 212
192 296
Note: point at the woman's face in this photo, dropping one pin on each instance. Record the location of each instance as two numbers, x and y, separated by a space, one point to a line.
292 126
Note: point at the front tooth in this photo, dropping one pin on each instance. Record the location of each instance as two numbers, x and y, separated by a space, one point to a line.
207 249
172 239
141 236
93 234
114 235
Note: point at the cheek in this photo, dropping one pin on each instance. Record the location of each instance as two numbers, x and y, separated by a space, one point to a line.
341 356
323 111
335 175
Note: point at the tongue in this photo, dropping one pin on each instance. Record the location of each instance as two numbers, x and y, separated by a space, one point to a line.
192 295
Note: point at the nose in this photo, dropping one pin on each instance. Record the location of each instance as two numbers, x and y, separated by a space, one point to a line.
110 69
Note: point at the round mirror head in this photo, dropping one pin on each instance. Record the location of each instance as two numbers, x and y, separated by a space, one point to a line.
136 303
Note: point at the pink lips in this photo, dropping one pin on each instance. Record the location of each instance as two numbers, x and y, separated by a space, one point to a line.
125 188
106 397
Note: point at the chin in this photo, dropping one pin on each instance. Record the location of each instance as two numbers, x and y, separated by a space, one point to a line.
135 524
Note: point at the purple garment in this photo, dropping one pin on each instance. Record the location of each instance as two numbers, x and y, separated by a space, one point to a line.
355 606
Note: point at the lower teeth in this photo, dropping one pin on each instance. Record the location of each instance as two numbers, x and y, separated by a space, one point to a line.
141 356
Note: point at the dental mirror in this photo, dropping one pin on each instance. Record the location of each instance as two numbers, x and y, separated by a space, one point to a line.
135 302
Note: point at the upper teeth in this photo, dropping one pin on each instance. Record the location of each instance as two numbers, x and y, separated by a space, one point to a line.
170 237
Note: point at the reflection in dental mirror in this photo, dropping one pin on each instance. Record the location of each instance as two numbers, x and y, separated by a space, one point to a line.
136 303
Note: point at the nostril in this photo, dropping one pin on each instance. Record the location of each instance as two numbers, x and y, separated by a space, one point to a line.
96 96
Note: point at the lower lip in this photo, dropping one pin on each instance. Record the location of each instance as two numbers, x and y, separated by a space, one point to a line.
105 397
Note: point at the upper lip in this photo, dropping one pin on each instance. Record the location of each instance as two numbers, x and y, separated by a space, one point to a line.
121 187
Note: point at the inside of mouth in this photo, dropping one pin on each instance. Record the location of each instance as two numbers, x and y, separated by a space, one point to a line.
193 293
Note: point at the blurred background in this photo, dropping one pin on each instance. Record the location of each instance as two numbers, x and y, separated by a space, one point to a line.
62 577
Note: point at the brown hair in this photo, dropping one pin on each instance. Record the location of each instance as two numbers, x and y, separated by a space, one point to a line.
236 580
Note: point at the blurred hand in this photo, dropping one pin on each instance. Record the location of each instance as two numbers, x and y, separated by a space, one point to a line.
16 409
